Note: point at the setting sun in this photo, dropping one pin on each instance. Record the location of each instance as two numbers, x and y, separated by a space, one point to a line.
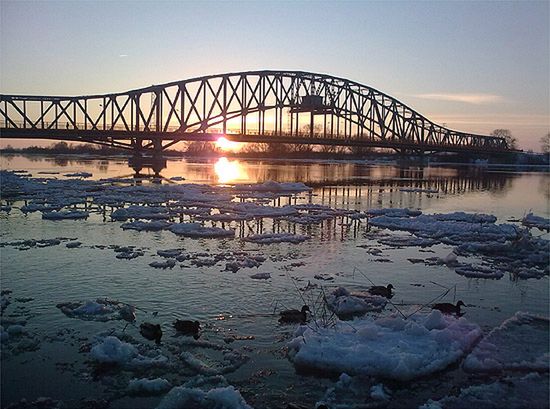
225 144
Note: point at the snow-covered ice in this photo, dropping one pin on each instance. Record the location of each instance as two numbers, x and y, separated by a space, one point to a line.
139 225
532 220
148 386
217 398
345 304
113 350
520 343
196 230
528 392
386 347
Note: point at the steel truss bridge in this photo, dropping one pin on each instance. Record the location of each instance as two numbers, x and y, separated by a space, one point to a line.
291 107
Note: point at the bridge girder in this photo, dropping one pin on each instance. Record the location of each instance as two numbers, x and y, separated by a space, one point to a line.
254 106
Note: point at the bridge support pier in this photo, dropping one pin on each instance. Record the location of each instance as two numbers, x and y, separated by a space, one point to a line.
139 161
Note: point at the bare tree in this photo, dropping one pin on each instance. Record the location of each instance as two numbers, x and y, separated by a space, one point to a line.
545 144
507 135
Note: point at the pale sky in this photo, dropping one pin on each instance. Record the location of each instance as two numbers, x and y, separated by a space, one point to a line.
472 65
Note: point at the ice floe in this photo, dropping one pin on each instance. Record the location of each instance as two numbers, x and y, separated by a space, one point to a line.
163 264
519 344
531 220
261 276
346 304
113 350
390 212
389 347
140 212
196 230
148 386
78 175
353 392
530 391
100 309
217 398
477 271
269 238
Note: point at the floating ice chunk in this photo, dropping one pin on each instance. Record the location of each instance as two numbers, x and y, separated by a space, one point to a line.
146 361
140 212
394 212
129 255
520 343
449 230
170 253
6 209
476 271
530 391
139 225
539 222
465 217
92 308
388 347
232 360
345 304
261 276
73 244
354 393
148 386
270 238
65 215
196 230
78 175
113 350
177 178
216 398
271 186
407 241
163 264
378 392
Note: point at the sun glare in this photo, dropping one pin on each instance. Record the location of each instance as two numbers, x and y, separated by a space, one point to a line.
229 171
225 144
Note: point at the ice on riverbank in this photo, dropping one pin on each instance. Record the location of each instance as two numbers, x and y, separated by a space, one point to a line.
387 347
519 344
530 391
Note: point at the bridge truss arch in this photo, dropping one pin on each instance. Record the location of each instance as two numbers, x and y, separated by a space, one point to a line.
253 106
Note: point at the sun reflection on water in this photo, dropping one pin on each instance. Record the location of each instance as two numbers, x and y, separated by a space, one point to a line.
229 171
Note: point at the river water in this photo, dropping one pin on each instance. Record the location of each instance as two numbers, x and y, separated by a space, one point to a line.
236 312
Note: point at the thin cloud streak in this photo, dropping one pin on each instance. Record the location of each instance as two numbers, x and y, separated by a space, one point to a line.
475 99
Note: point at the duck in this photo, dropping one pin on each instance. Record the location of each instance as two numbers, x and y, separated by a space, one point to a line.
151 331
128 314
294 315
381 290
188 327
448 308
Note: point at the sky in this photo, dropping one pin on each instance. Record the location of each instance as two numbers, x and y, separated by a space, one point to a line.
473 66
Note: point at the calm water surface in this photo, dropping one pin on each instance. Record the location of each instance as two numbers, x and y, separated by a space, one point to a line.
234 304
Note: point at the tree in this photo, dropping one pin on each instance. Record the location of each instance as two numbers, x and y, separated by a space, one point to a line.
507 135
545 144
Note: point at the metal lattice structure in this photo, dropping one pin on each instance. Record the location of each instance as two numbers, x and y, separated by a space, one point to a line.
256 106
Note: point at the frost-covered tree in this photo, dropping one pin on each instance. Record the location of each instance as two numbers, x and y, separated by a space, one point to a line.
507 135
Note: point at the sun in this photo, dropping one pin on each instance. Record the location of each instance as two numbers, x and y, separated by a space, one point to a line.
226 145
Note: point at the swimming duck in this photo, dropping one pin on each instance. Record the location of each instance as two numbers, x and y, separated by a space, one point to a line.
381 290
151 331
294 315
188 327
448 308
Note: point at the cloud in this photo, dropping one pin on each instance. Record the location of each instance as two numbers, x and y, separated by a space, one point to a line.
475 99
